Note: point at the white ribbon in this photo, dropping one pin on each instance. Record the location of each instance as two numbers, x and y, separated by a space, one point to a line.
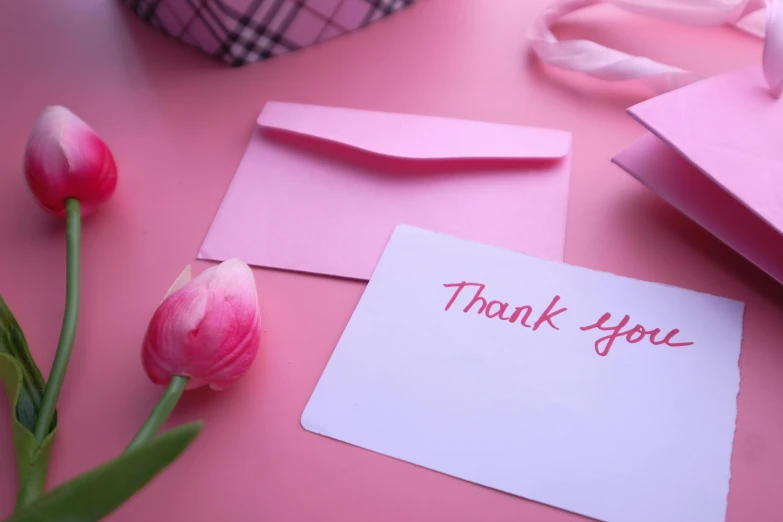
609 64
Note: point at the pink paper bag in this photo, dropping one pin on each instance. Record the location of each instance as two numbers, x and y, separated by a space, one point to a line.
714 151
240 32
714 147
321 189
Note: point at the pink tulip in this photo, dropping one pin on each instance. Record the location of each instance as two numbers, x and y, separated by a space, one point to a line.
208 330
66 159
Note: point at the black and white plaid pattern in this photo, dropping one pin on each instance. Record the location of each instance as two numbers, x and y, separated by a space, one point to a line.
240 32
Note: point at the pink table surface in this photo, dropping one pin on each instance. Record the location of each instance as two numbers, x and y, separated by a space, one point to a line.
178 123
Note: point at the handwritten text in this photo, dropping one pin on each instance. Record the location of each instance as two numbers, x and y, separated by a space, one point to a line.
475 301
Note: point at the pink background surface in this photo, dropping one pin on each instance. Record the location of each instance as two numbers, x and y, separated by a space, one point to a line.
178 124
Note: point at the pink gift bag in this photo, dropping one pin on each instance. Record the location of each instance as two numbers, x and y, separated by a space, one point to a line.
240 32
713 149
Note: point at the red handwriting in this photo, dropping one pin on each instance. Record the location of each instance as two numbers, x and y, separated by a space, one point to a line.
493 309
639 331
503 311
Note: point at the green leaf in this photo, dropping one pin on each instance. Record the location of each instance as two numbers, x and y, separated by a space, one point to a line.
24 386
96 493
32 459
13 343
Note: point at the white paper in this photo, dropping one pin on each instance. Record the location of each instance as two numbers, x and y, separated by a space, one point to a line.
641 433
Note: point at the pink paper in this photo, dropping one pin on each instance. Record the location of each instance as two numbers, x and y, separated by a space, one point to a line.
320 189
715 153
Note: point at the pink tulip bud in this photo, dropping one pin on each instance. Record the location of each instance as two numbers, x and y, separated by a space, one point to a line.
66 159
208 330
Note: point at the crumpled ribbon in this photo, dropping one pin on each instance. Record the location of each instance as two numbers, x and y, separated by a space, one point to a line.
609 64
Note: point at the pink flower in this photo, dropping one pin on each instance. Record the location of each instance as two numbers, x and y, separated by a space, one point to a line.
66 159
207 329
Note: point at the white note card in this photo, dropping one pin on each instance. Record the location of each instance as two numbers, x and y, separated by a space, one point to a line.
598 394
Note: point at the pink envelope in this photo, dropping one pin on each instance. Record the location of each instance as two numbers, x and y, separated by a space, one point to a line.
321 189
715 151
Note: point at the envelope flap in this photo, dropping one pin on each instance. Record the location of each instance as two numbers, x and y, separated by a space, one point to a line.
415 137
730 128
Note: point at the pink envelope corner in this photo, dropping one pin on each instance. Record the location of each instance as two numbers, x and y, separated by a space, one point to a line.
714 152
321 189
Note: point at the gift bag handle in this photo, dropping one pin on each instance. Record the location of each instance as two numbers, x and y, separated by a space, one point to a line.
609 64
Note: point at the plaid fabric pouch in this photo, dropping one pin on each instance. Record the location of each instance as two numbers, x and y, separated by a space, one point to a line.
240 32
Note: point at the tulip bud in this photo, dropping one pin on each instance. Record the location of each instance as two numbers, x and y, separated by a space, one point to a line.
66 159
208 330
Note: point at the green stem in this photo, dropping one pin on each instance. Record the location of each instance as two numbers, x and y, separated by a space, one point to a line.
33 484
160 412
30 488
68 331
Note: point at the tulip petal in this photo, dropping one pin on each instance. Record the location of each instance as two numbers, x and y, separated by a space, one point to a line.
65 159
207 328
181 281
